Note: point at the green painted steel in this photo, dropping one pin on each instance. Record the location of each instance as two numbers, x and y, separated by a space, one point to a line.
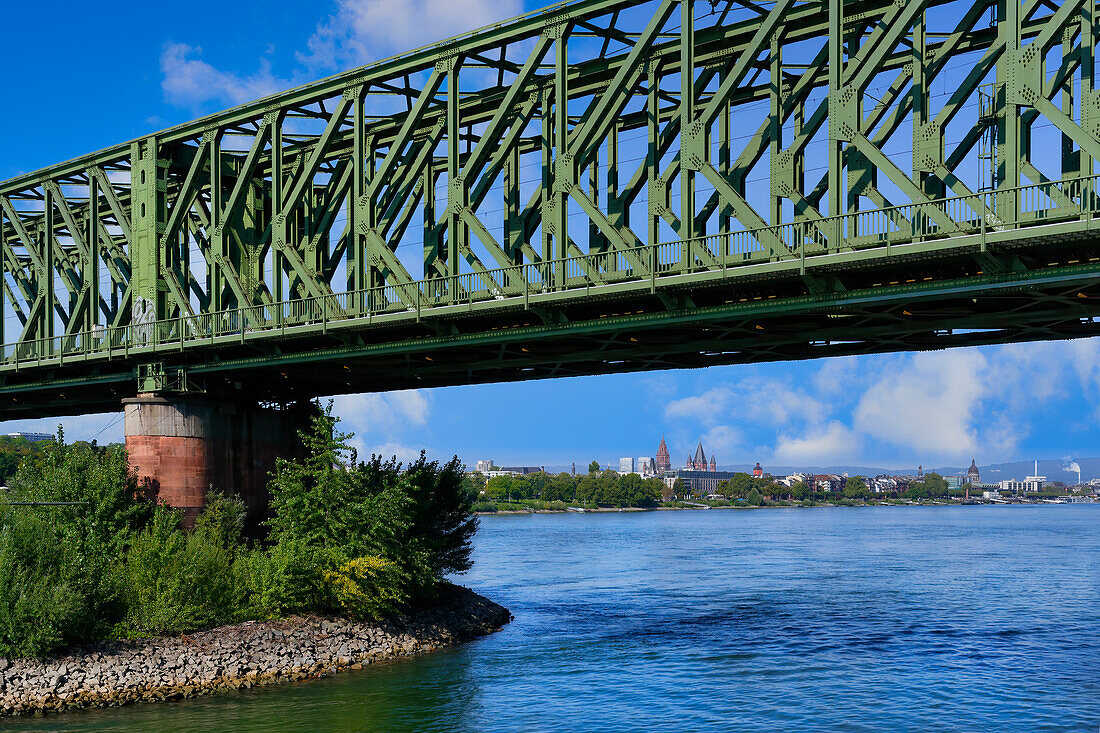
603 186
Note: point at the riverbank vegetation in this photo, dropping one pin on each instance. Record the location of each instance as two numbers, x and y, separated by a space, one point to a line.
544 491
359 539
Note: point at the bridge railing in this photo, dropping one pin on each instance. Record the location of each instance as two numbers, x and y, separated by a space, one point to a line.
928 221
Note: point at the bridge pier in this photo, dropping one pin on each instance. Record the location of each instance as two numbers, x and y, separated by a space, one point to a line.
185 447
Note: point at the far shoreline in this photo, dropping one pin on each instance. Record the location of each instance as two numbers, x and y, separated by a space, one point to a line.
624 510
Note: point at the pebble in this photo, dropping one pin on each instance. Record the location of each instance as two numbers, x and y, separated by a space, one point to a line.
237 657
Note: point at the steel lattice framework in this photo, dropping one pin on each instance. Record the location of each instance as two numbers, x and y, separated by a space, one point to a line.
603 186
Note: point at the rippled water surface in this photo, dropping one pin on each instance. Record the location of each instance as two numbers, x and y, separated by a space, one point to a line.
939 618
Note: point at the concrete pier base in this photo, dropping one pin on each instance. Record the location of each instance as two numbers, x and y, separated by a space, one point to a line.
184 447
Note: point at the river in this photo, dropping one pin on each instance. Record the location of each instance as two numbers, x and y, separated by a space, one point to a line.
877 619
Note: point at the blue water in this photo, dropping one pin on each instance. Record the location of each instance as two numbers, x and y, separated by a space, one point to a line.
879 619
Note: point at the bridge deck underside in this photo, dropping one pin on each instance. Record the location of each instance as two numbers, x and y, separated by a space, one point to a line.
1047 287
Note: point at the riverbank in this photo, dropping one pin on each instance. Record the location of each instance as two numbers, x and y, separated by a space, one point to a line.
237 657
848 504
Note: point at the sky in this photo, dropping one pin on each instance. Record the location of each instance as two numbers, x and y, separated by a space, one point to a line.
992 404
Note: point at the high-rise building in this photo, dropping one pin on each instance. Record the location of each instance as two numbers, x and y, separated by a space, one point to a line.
645 466
484 466
626 465
664 460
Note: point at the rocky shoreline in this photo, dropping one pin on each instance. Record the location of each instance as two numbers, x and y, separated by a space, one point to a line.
237 657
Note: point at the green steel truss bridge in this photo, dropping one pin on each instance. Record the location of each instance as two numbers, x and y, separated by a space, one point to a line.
604 186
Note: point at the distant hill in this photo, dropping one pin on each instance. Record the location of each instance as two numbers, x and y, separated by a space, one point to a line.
990 473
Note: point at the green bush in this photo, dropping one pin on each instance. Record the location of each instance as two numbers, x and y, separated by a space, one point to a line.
286 579
363 539
41 608
483 506
419 519
368 588
174 582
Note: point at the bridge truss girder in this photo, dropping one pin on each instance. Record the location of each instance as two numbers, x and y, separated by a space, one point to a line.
660 120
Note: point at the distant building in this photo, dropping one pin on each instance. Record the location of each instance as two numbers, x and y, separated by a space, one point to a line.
953 482
484 466
991 494
31 437
663 461
701 483
626 465
699 462
514 471
826 482
645 466
1036 479
757 471
1031 483
972 475
883 484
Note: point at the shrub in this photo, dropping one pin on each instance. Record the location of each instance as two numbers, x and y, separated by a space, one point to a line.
483 506
286 579
174 582
419 519
41 610
368 588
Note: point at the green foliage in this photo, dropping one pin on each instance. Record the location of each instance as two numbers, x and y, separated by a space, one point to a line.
285 579
799 491
42 604
368 588
856 488
222 519
594 467
14 451
754 498
175 582
419 519
358 538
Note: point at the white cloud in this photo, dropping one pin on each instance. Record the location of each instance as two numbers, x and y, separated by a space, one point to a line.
725 443
751 400
358 32
188 81
832 443
386 414
361 31
706 407
931 405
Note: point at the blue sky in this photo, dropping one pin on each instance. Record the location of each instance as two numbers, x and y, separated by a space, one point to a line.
153 67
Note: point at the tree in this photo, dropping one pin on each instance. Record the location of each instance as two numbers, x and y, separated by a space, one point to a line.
754 498
799 491
740 485
936 484
856 488
418 519
594 467
560 488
